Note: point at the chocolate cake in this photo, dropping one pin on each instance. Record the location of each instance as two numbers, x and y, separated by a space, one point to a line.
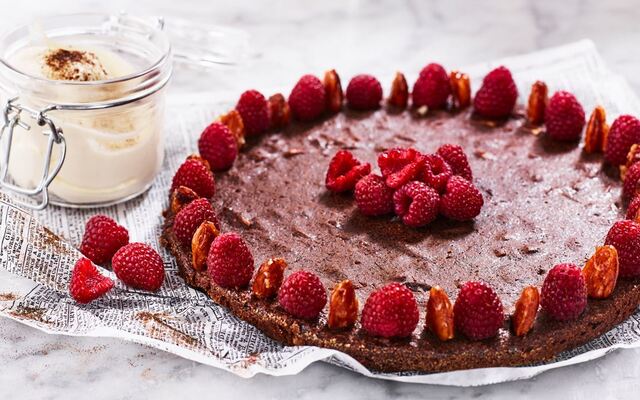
545 203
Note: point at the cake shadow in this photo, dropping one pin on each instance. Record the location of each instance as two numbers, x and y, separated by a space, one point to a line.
547 145
389 231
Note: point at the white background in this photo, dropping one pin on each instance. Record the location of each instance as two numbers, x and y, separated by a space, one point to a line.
290 38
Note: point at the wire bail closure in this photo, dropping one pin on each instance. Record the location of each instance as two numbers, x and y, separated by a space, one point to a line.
34 198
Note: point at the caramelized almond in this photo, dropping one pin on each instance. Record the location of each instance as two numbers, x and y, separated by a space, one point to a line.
623 172
333 91
343 306
633 156
180 197
440 314
601 272
269 278
200 244
199 159
234 122
461 89
538 99
596 132
279 111
399 96
526 309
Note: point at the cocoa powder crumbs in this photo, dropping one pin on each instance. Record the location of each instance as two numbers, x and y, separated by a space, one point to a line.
65 63
34 314
8 296
61 57
158 327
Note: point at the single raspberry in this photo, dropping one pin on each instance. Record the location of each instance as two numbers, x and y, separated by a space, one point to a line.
345 171
417 203
634 207
102 238
307 99
478 312
461 201
195 175
254 111
630 185
302 295
625 237
436 172
364 92
433 88
87 284
564 292
230 263
497 95
624 132
394 160
408 173
189 218
391 311
564 117
455 156
373 196
218 146
138 265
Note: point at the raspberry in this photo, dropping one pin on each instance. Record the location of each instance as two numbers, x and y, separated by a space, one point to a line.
302 295
416 203
634 207
345 171
394 160
391 311
230 263
564 117
373 197
218 146
497 95
432 89
307 99
409 172
436 172
478 312
364 92
254 111
461 200
624 132
564 292
138 265
189 218
625 237
455 156
102 238
630 184
195 175
87 284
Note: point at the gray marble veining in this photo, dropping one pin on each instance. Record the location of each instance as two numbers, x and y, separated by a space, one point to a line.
290 38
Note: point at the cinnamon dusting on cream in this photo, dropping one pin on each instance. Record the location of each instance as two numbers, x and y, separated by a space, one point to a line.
73 65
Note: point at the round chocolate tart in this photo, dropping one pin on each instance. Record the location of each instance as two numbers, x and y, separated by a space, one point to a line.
545 203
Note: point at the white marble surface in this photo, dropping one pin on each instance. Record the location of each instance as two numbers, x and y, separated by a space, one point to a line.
290 38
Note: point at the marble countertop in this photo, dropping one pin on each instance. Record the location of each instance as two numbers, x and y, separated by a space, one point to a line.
288 39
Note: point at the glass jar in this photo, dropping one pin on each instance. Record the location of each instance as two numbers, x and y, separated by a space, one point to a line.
83 143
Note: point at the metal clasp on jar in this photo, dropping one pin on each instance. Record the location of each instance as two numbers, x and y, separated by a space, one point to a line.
14 115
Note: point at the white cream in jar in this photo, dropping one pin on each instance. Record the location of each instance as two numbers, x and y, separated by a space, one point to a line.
112 112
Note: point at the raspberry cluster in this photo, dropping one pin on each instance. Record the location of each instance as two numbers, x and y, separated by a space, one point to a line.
137 265
417 187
